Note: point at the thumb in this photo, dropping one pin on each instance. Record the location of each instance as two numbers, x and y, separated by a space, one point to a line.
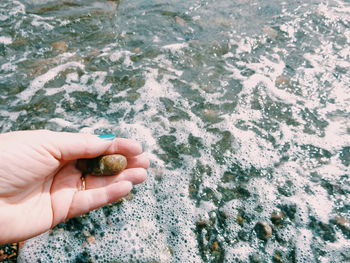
70 146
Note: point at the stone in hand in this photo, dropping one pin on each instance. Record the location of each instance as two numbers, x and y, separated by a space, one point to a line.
105 165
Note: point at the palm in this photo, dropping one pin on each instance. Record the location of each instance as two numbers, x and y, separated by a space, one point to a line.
27 195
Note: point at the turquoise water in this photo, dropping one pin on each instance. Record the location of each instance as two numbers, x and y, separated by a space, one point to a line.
243 107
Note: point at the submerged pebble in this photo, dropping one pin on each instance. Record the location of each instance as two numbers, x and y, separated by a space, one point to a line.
60 46
270 32
263 230
277 218
105 165
282 81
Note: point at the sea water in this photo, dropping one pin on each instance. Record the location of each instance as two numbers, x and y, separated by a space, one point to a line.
242 106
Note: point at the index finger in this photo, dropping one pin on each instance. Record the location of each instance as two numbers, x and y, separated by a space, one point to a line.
126 147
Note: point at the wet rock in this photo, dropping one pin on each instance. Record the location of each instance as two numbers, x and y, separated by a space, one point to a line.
240 220
270 32
277 218
215 246
136 50
341 221
277 258
263 230
60 46
343 224
90 239
105 165
180 21
210 115
282 81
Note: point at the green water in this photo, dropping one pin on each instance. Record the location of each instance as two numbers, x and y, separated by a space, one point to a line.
243 107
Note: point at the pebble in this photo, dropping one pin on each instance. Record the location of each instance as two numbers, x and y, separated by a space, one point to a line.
239 220
105 165
91 239
215 246
136 50
282 80
341 221
210 115
180 21
277 217
272 33
60 46
263 230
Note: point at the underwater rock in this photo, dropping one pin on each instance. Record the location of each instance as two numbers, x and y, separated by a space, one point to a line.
239 220
269 31
105 165
277 218
215 246
282 81
180 21
263 230
341 221
60 46
277 258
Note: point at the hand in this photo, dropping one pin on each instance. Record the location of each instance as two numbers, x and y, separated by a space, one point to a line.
40 186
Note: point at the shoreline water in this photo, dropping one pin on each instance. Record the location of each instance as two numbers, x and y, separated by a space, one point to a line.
242 107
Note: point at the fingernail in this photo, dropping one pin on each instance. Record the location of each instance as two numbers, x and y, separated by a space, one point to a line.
107 137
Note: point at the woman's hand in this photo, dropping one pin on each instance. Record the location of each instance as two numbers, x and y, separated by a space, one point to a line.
40 186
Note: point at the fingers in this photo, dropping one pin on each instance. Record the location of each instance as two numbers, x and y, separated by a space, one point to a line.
85 201
70 146
134 175
124 146
64 185
138 161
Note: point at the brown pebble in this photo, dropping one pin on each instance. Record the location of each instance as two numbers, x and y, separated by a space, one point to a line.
282 80
239 219
341 221
60 45
263 230
136 50
91 239
277 257
215 246
105 165
277 217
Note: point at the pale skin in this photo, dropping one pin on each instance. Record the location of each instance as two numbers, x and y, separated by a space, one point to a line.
40 186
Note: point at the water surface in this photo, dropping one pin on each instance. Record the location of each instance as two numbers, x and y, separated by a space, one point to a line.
242 105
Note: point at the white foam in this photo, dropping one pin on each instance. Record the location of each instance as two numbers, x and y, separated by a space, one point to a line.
176 46
39 82
5 40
